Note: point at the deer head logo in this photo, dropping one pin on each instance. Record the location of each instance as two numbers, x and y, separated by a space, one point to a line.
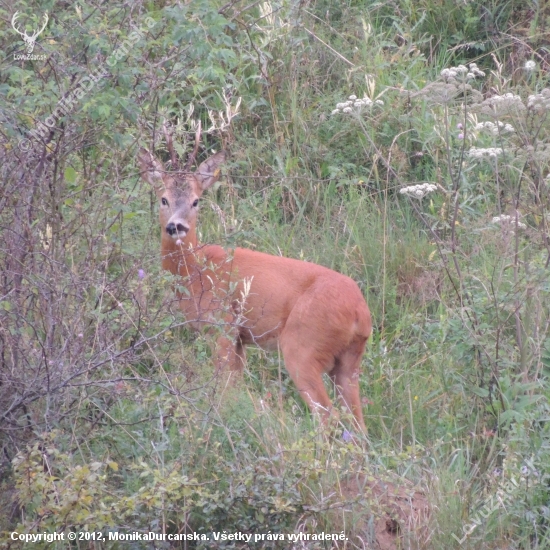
29 40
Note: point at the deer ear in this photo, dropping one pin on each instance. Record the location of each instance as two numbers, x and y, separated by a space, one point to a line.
209 171
152 169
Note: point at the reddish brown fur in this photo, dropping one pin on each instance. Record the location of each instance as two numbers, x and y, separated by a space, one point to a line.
317 317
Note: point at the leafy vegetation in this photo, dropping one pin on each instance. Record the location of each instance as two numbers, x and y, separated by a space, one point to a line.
405 144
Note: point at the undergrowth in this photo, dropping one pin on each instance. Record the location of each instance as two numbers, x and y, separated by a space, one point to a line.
402 144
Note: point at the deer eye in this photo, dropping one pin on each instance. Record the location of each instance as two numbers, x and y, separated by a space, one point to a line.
164 201
195 203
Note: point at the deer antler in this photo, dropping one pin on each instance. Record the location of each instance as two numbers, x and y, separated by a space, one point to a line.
192 156
170 145
13 20
46 19
24 33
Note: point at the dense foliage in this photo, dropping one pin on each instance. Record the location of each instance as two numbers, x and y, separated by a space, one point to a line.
404 144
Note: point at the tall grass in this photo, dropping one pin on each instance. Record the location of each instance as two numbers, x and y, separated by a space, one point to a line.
134 431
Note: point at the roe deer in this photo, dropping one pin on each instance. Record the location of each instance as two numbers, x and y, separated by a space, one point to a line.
318 318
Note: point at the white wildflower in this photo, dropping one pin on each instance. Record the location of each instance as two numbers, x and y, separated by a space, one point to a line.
489 152
539 102
357 104
462 72
507 221
494 128
419 191
475 70
530 66
537 152
448 74
498 106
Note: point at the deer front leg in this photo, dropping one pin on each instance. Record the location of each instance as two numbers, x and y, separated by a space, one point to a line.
230 353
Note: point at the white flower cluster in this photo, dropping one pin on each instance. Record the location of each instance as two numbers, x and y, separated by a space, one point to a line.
462 72
418 191
353 101
495 129
537 152
530 66
539 102
501 105
508 220
489 152
450 92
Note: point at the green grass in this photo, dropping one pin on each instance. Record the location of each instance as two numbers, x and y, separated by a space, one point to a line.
123 424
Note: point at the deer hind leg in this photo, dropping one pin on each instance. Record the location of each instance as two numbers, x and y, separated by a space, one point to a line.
346 379
306 367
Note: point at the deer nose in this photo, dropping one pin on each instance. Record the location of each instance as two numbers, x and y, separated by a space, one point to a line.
173 228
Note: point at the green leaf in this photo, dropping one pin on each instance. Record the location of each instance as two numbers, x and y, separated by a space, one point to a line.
70 174
481 392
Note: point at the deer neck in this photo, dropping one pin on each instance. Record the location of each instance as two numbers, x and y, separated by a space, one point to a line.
180 257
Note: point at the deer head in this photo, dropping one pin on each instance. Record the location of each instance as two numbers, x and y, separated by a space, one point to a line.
29 40
179 192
